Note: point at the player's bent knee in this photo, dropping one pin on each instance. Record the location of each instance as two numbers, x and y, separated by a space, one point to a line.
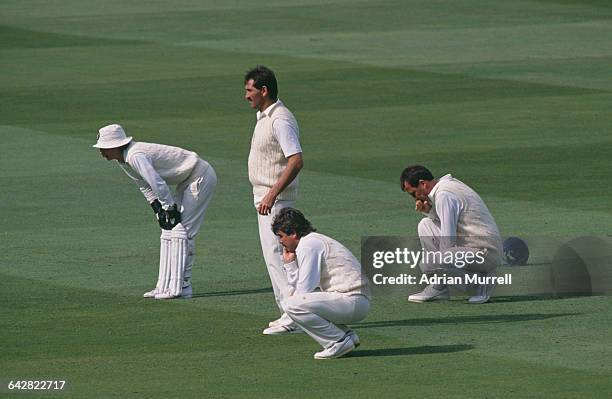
425 227
294 306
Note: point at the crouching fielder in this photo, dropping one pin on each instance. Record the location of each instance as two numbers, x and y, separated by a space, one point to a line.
327 288
155 167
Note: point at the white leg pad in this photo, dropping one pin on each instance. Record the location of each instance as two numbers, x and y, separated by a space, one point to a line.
164 265
165 260
178 260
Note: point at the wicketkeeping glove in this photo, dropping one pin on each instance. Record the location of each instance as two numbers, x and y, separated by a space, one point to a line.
170 218
157 206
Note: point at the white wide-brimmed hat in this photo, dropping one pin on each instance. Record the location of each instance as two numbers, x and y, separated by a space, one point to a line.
112 136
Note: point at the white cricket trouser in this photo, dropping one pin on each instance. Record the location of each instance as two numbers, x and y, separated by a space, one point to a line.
324 315
273 251
429 234
193 197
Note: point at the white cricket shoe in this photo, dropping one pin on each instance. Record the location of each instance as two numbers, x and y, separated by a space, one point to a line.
186 293
340 348
281 330
430 293
165 295
275 323
354 337
478 299
283 320
483 292
151 294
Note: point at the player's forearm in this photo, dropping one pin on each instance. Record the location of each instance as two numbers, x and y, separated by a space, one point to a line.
295 163
148 193
292 273
309 277
448 233
448 211
158 189
151 183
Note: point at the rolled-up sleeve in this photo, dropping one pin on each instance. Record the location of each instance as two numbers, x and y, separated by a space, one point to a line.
287 136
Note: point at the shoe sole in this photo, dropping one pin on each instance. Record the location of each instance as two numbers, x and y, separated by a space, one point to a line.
428 300
479 301
296 331
175 297
337 355
182 296
149 294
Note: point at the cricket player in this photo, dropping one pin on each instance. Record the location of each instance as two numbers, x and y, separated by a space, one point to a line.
275 160
155 167
458 222
327 288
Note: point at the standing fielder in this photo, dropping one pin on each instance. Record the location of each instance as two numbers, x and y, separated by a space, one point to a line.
327 288
457 221
154 167
275 159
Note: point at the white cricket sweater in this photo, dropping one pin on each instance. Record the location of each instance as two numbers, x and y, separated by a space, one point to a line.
324 263
475 226
156 166
266 159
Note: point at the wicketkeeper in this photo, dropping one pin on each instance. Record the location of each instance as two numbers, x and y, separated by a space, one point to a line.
155 167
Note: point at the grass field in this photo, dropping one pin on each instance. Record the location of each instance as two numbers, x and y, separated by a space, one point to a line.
513 97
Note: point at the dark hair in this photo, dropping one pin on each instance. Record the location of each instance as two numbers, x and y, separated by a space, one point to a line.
289 221
413 174
263 76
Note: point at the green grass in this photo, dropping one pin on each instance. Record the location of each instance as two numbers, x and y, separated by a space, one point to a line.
512 97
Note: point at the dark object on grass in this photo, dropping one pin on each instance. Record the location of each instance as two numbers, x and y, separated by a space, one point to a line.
516 252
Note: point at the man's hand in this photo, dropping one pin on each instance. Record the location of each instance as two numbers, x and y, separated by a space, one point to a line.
422 206
294 165
157 206
173 216
170 218
288 257
266 203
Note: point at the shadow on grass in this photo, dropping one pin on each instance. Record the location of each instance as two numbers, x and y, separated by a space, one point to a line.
464 319
233 292
418 350
539 297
